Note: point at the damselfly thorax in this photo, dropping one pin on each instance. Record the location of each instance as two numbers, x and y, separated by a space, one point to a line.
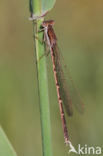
49 34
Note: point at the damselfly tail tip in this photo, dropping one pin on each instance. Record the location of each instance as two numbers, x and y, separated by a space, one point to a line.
66 141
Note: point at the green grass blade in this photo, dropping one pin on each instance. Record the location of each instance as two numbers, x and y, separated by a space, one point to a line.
40 7
42 82
6 148
37 9
43 95
47 5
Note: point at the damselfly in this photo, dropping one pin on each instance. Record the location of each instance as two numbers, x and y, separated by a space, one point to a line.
63 93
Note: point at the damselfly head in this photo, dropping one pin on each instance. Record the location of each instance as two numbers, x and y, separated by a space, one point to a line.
47 23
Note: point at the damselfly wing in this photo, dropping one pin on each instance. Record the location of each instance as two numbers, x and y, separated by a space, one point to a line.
68 90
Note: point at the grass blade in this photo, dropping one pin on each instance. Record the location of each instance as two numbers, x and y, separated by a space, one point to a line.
42 82
6 148
40 7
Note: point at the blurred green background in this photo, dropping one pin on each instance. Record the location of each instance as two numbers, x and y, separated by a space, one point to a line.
79 28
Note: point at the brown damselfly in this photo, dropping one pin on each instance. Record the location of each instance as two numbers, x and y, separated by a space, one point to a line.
63 93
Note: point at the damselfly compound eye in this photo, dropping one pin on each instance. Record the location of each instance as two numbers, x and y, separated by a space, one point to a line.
47 23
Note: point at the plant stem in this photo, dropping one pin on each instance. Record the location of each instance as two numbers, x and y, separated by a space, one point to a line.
43 92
